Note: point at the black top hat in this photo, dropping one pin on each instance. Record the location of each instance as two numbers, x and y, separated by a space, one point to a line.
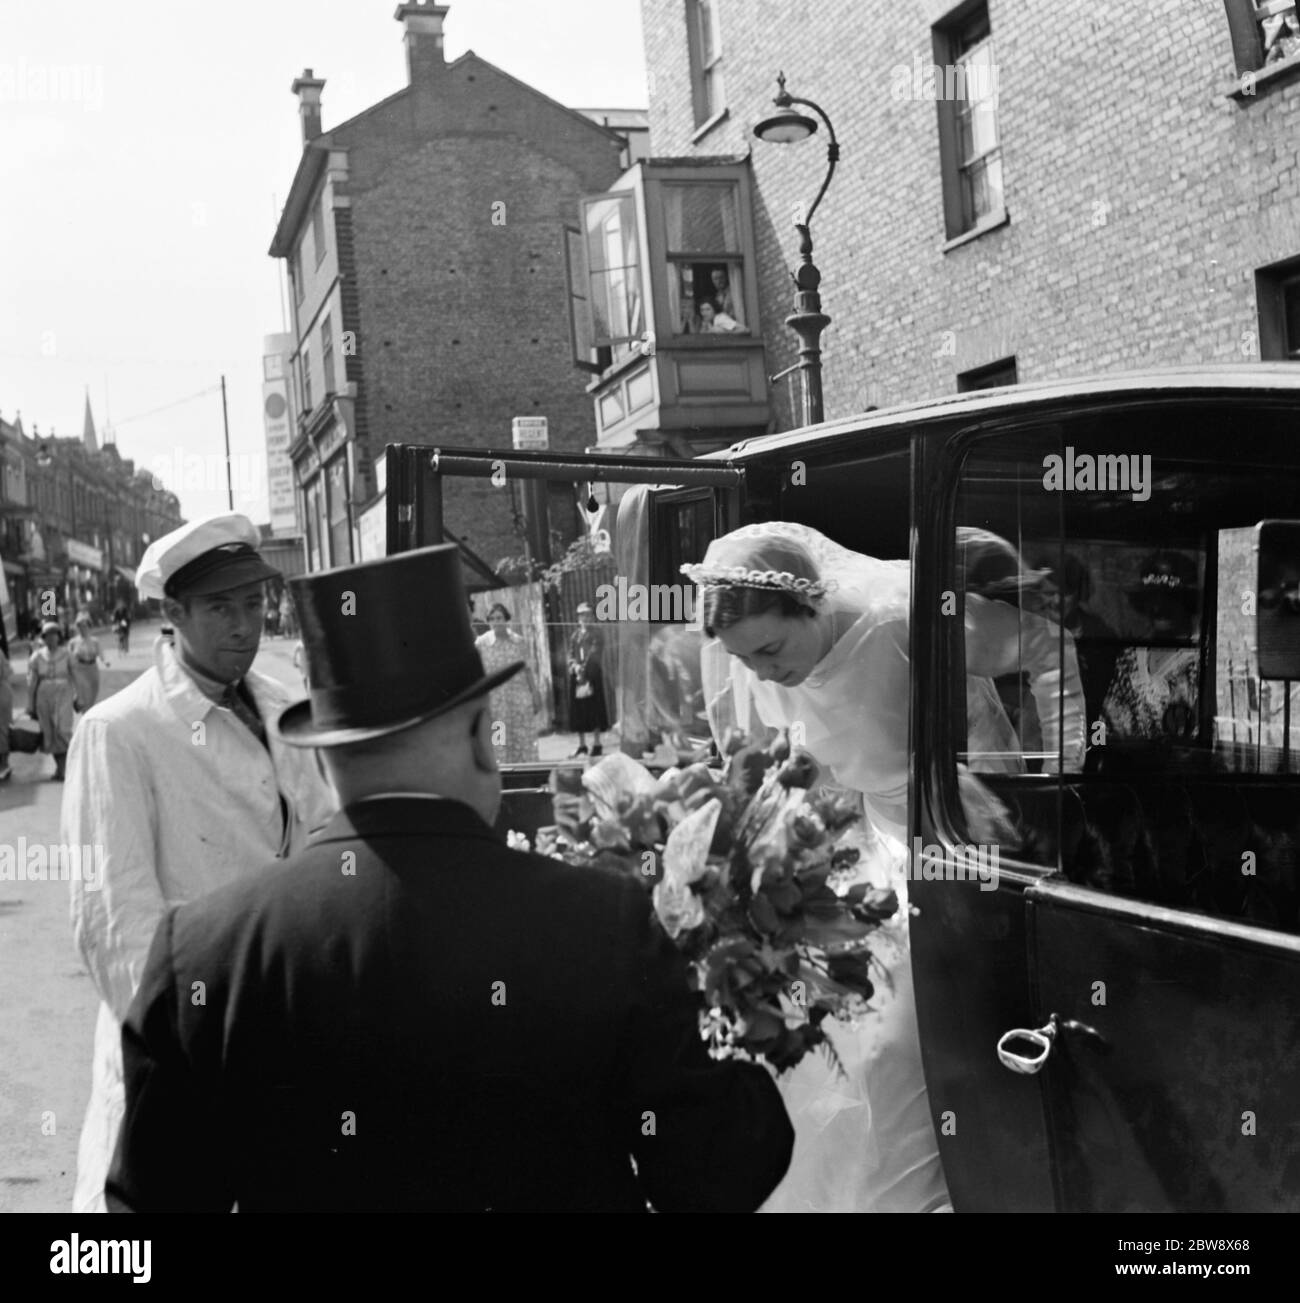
388 645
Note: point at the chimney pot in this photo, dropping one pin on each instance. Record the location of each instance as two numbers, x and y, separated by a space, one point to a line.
308 88
424 51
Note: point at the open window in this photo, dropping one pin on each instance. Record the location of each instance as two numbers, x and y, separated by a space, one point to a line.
616 297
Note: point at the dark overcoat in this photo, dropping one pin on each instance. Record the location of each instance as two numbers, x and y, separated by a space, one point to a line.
410 1016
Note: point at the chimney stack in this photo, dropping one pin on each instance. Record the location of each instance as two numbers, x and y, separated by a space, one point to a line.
424 53
308 88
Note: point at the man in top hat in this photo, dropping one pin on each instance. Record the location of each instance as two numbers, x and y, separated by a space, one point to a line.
176 787
408 1015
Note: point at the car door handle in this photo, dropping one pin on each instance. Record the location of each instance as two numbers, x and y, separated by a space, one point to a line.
1041 1041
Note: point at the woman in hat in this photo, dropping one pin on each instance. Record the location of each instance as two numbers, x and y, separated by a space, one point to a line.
587 710
1154 691
50 692
517 703
85 657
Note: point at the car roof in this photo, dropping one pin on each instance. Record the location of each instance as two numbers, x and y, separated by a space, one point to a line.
1223 378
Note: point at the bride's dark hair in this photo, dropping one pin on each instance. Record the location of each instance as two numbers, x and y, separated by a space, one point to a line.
724 607
728 604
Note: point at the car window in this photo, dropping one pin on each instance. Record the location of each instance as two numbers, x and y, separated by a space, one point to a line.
1105 568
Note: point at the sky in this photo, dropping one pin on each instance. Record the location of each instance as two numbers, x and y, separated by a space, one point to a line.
146 147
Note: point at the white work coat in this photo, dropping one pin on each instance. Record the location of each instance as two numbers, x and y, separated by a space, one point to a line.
175 797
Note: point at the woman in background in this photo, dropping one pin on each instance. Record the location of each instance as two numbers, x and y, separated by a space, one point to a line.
85 656
517 703
49 694
587 710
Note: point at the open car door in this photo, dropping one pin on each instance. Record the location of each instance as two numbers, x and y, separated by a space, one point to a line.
1112 1023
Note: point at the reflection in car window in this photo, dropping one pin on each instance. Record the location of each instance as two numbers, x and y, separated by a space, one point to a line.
1188 794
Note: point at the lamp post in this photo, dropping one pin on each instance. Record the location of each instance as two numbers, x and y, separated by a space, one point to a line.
788 127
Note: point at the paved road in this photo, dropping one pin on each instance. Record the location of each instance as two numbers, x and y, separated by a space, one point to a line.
47 1002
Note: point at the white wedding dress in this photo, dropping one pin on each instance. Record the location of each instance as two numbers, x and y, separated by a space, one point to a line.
865 1141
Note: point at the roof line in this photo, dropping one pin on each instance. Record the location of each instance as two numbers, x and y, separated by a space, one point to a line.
1223 376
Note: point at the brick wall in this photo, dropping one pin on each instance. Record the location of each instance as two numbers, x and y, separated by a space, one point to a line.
1141 200
463 319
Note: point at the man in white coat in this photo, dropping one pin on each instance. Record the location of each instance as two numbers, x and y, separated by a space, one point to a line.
175 784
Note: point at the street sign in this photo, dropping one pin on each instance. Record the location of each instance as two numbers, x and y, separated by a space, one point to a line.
530 432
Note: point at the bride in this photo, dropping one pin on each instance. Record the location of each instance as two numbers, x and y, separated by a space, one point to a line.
809 636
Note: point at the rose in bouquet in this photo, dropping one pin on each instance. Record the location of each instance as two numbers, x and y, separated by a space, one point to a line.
752 878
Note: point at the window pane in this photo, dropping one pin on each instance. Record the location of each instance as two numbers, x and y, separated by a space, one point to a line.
1025 710
983 129
993 183
340 541
582 330
978 80
714 97
707 21
701 218
1131 537
615 277
1291 316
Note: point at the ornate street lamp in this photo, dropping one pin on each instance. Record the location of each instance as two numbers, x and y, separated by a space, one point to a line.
789 127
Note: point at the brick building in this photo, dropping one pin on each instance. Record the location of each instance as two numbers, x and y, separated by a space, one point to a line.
425 240
1023 192
75 519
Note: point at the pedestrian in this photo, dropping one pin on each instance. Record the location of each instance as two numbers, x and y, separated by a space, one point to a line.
122 626
587 709
288 621
272 615
50 693
176 783
516 705
6 711
446 1024
85 657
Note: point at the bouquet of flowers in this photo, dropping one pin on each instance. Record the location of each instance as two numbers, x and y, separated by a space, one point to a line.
752 878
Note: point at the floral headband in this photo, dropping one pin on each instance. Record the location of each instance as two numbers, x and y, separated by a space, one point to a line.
780 581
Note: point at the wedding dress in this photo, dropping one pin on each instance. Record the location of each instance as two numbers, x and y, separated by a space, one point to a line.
865 1141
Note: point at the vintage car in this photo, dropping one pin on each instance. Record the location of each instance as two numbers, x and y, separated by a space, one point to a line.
1112 1022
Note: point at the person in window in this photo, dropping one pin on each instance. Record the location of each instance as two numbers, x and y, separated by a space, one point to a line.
587 710
714 322
515 705
724 300
1153 693
805 632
